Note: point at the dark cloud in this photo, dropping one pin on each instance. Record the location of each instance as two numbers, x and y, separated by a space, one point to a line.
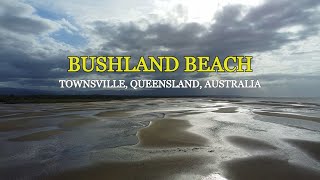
19 18
231 33
24 25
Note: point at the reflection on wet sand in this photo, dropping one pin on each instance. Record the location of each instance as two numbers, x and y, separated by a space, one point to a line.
156 168
267 168
169 133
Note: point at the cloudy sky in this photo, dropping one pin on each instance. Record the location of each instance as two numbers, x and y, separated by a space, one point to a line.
282 35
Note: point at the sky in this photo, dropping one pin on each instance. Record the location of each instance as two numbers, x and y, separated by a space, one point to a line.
282 36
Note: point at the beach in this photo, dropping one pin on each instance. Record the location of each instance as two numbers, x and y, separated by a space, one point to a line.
162 138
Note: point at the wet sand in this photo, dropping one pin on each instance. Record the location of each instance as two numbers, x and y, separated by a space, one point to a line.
37 136
294 116
160 139
113 114
250 143
293 105
157 168
27 114
76 121
19 124
227 110
312 148
31 123
169 133
4 114
267 168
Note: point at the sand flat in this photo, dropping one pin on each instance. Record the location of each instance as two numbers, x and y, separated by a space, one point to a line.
312 148
28 115
5 114
42 135
76 121
169 133
226 110
19 124
250 143
267 168
294 116
123 113
184 141
155 168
